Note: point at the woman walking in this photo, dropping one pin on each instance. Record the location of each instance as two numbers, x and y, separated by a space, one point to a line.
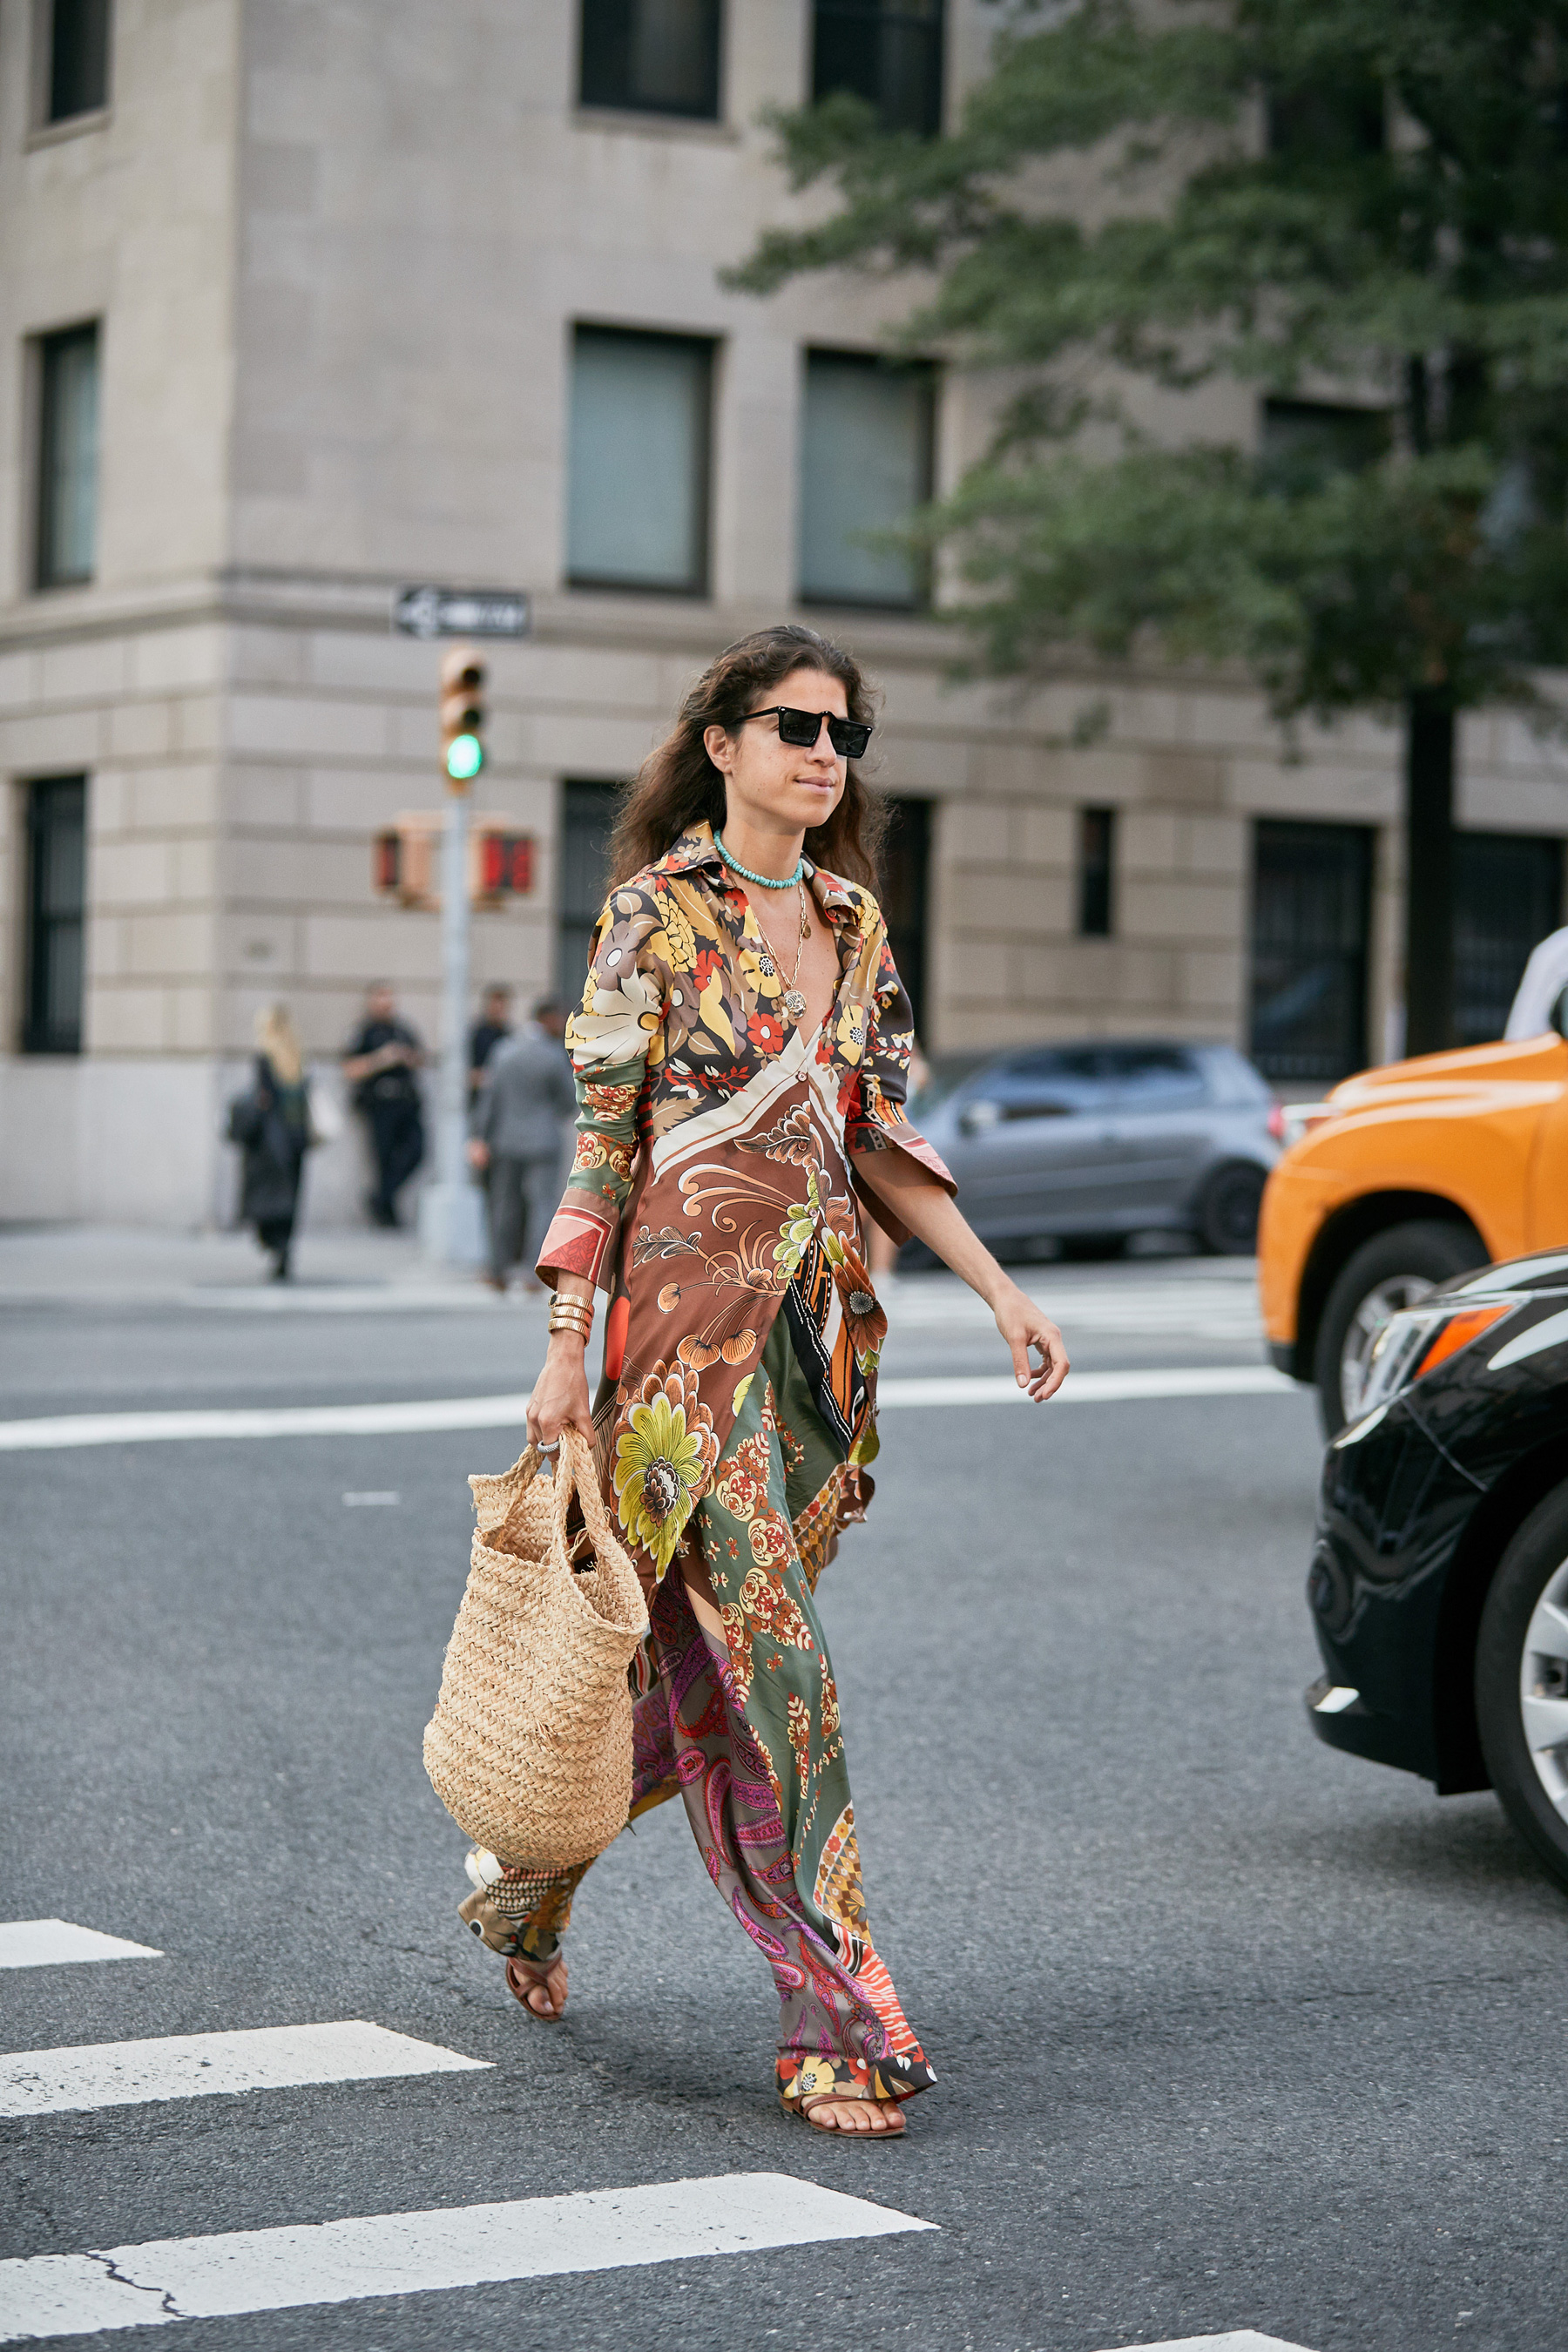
272 1126
741 1052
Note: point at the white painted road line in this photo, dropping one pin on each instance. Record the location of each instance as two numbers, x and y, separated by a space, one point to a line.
1092 1387
418 2253
1240 2339
280 1421
507 1411
196 2065
51 1943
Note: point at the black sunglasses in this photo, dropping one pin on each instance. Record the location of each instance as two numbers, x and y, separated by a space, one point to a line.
849 737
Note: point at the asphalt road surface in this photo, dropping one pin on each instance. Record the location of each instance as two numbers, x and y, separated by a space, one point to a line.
1232 2033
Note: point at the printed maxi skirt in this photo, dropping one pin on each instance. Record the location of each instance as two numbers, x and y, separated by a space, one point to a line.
750 1739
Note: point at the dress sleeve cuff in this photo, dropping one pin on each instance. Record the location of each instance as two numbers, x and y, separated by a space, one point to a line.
866 1136
581 1240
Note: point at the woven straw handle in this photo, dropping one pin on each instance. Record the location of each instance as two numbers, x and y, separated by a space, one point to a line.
524 1470
577 1475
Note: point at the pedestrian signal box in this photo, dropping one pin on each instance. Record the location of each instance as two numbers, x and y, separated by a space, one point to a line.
463 682
405 861
505 863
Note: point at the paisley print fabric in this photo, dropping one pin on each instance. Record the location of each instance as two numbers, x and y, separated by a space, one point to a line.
714 1196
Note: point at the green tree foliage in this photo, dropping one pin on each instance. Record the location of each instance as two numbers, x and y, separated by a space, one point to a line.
1366 194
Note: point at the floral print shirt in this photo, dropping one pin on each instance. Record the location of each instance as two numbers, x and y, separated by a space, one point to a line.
714 1182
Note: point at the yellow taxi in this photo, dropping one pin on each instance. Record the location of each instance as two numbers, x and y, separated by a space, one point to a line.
1403 1176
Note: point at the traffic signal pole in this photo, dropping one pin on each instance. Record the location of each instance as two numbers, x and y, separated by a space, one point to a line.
451 1210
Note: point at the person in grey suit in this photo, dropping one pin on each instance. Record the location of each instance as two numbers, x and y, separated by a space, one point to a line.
516 1130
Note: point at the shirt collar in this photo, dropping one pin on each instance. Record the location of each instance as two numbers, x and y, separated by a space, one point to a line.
694 850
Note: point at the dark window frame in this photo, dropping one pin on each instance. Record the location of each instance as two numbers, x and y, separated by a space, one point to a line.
594 40
1487 969
594 798
927 373
904 895
49 800
76 64
1288 844
48 571
924 19
1097 873
618 584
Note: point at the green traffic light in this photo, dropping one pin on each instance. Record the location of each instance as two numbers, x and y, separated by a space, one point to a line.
465 758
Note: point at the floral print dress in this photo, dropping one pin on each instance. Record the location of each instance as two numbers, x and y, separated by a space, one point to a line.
714 1197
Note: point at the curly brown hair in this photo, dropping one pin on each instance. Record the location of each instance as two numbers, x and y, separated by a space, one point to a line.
678 785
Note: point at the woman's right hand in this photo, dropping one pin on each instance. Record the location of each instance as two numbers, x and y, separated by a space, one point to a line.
560 1399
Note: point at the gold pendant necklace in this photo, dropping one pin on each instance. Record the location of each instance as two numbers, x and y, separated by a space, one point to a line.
794 1002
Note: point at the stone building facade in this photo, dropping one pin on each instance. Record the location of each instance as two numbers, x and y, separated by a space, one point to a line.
313 301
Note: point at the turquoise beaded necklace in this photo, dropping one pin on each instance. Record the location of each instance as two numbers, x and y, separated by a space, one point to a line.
767 881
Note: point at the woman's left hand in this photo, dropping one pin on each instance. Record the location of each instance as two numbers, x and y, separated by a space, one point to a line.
1025 1326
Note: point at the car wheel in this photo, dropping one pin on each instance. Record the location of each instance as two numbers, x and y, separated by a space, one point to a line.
1394 1269
1227 1209
1521 1682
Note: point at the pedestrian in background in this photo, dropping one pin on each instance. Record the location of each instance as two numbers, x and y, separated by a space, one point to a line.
493 1025
517 1125
382 1065
271 1124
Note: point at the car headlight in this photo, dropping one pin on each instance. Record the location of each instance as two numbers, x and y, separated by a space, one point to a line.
1417 1340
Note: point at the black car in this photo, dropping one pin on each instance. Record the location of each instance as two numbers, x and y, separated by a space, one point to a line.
1440 1582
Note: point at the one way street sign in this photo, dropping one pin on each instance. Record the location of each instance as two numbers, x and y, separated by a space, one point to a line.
460 612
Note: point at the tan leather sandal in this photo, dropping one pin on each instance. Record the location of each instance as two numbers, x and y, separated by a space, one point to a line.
524 1976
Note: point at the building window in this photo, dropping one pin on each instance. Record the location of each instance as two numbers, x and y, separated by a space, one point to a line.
653 57
587 814
1326 119
1508 894
1312 901
1306 441
904 894
78 57
1096 873
637 475
57 875
866 466
888 52
67 457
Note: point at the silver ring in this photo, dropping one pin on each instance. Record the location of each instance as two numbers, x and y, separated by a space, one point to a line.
553 1446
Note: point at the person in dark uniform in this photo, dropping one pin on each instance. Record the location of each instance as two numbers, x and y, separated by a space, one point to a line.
493 1025
382 1065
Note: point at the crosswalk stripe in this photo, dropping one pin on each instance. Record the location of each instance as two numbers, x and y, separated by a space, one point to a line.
52 1943
379 2254
196 2065
508 1412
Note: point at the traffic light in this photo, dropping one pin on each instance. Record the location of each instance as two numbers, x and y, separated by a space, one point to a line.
463 678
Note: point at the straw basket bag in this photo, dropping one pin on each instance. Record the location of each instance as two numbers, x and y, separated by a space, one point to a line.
530 1747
